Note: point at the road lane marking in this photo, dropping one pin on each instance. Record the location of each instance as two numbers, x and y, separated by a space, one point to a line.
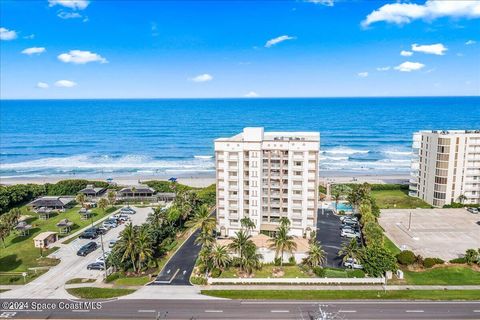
214 311
411 311
280 311
141 310
80 310
347 311
476 310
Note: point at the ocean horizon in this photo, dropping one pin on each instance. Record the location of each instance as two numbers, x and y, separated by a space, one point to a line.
174 137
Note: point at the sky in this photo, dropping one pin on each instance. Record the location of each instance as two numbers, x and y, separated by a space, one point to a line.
55 49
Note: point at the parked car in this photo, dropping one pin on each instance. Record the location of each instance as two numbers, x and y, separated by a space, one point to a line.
473 210
111 243
343 218
352 264
102 258
478 222
351 228
127 210
96 266
88 234
110 223
86 249
350 234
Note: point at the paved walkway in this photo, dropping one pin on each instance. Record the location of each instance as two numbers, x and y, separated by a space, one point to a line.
336 287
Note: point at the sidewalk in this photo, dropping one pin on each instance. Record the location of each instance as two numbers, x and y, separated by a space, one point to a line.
335 287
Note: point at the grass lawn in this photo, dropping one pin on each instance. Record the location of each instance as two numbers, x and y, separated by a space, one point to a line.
456 275
345 294
20 254
79 280
267 272
391 246
132 281
386 199
98 293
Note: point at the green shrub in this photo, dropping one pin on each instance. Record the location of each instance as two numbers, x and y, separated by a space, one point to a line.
458 260
319 272
277 261
216 273
406 258
430 262
341 212
198 280
112 277
471 256
356 273
292 261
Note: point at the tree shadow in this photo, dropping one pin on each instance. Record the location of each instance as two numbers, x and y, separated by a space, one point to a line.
20 238
10 262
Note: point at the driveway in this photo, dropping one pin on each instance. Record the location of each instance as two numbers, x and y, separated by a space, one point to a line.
328 234
50 285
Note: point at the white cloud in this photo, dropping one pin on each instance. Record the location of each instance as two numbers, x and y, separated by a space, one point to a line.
328 3
406 53
438 48
401 13
277 40
251 94
81 57
29 37
65 84
42 85
470 42
202 78
72 4
6 34
33 50
409 66
154 29
69 15
363 74
383 68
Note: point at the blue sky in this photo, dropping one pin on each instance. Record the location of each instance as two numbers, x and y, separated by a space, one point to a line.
107 49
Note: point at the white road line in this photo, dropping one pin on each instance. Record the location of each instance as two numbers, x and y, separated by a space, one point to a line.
347 311
214 311
80 310
476 311
279 311
141 310
411 311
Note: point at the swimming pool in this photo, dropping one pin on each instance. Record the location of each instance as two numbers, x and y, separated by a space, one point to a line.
342 206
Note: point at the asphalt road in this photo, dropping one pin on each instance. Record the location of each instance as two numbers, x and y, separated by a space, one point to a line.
328 233
178 269
248 309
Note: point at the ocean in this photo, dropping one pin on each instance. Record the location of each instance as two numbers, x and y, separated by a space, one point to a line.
174 137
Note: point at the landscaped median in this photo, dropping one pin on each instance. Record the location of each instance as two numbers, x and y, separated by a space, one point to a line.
345 294
98 293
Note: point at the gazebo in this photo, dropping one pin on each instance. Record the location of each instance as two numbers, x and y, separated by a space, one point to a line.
85 213
65 225
24 228
44 213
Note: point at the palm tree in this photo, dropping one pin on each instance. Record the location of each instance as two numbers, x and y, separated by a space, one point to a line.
173 214
202 220
206 239
247 223
128 244
102 204
220 257
336 196
112 197
284 222
251 259
157 217
315 256
80 198
144 246
4 231
461 198
349 250
282 242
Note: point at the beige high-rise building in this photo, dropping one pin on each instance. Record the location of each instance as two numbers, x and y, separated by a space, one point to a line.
266 176
446 167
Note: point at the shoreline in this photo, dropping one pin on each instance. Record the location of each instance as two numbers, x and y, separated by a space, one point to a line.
201 181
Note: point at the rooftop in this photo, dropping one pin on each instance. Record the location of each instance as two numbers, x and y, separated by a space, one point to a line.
257 134
451 132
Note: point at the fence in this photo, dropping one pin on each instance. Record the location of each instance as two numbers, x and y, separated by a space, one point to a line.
296 280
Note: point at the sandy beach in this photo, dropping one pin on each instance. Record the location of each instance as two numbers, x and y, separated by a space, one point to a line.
203 181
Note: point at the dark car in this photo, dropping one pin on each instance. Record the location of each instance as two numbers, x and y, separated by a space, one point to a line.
478 222
88 235
86 249
96 266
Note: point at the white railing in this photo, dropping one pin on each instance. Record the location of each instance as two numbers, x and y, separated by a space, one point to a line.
296 280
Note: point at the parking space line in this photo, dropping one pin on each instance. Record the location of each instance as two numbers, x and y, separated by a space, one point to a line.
412 311
279 311
214 311
142 310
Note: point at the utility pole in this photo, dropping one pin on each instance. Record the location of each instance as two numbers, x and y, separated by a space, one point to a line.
409 220
103 254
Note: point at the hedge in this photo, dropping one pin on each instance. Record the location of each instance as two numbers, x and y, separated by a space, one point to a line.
406 258
430 262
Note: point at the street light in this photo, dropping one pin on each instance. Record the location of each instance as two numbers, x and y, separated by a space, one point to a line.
103 254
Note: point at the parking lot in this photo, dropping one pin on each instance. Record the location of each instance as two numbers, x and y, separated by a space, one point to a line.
442 233
72 266
328 233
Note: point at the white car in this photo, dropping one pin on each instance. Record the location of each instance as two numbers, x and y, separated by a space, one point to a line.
352 264
353 218
348 233
101 258
127 210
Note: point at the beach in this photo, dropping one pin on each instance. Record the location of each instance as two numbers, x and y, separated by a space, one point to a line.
203 181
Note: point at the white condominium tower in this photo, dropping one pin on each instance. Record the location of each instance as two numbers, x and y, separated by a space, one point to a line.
446 167
266 176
